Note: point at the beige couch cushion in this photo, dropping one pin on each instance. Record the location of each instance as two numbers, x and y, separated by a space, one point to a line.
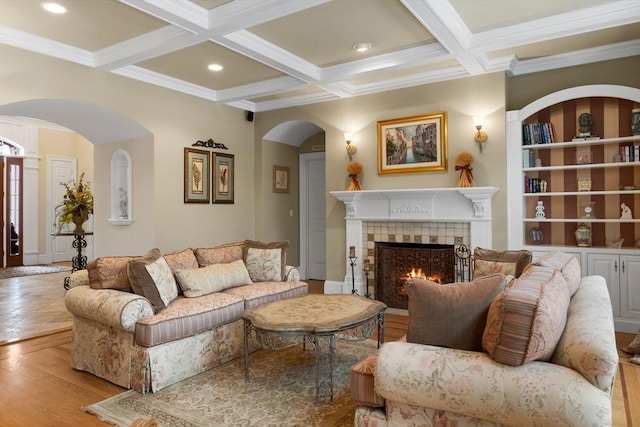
219 254
109 273
196 282
568 265
151 277
509 263
182 260
526 321
452 315
186 317
266 261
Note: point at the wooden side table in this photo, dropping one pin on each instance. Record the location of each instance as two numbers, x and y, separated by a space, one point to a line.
78 262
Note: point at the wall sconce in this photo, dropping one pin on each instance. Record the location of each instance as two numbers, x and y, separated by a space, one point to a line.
351 149
480 136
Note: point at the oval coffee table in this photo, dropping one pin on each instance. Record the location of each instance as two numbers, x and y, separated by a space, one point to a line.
317 319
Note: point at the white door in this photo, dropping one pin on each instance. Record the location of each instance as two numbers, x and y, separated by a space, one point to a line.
313 216
61 170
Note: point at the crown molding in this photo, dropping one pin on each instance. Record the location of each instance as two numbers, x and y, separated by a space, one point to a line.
264 88
562 25
581 57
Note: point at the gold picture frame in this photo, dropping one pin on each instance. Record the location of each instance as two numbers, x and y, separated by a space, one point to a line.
223 177
196 176
280 179
413 144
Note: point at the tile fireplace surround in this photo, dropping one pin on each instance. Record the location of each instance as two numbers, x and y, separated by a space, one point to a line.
428 215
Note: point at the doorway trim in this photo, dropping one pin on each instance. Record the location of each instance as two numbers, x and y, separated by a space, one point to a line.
304 202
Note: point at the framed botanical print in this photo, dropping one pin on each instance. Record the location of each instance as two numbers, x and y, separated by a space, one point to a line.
280 179
413 144
223 178
196 176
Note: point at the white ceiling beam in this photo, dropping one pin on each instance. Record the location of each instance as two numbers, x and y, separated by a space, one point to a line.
264 88
27 41
443 22
412 57
240 14
146 46
157 79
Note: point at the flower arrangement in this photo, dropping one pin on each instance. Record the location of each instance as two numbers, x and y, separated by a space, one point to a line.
463 164
354 169
76 205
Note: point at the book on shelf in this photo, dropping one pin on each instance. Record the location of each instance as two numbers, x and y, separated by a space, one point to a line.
528 159
630 153
537 133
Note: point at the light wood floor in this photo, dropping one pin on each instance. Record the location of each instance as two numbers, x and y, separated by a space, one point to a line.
39 388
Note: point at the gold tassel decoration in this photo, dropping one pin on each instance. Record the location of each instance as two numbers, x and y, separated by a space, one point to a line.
463 164
354 169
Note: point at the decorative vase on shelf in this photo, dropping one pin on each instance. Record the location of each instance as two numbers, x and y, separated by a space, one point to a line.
583 235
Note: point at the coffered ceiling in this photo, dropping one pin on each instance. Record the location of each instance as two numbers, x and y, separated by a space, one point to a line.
282 53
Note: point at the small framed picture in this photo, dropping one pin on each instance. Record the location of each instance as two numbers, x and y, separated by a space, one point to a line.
196 176
280 179
223 178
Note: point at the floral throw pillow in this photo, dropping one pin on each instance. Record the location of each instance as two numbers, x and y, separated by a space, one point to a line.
264 265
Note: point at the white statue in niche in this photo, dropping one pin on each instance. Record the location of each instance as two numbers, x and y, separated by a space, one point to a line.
123 203
626 212
540 210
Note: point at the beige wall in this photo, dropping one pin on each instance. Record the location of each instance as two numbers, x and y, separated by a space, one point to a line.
461 99
62 144
273 220
176 121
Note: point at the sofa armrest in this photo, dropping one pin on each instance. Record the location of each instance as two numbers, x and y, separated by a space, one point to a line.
108 306
472 384
292 274
79 278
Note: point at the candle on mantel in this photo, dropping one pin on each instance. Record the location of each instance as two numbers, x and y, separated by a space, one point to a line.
365 264
352 251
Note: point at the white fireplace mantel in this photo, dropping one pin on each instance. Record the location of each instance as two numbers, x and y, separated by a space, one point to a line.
470 205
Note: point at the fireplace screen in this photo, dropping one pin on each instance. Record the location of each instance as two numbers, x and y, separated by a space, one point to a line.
396 262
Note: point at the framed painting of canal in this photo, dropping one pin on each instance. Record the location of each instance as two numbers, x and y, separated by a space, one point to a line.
413 144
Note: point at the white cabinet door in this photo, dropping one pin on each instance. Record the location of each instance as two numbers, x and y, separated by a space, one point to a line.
607 266
630 286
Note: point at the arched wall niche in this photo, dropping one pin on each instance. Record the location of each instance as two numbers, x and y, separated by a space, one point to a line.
121 188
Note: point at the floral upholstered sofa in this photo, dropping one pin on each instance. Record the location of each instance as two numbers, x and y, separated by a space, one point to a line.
148 322
547 357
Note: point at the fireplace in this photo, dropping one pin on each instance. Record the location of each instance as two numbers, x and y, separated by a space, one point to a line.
397 262
452 216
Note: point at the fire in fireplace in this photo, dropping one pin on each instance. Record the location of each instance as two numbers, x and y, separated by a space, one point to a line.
395 263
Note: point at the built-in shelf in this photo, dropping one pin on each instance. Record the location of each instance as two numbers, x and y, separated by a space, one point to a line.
614 221
582 143
580 193
588 166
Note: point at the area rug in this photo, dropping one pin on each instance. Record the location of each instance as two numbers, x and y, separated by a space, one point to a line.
280 392
30 270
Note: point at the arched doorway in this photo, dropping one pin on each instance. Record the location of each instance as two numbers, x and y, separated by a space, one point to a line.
308 140
95 124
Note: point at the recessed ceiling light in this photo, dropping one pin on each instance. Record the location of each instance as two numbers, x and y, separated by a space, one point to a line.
215 67
362 47
54 7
